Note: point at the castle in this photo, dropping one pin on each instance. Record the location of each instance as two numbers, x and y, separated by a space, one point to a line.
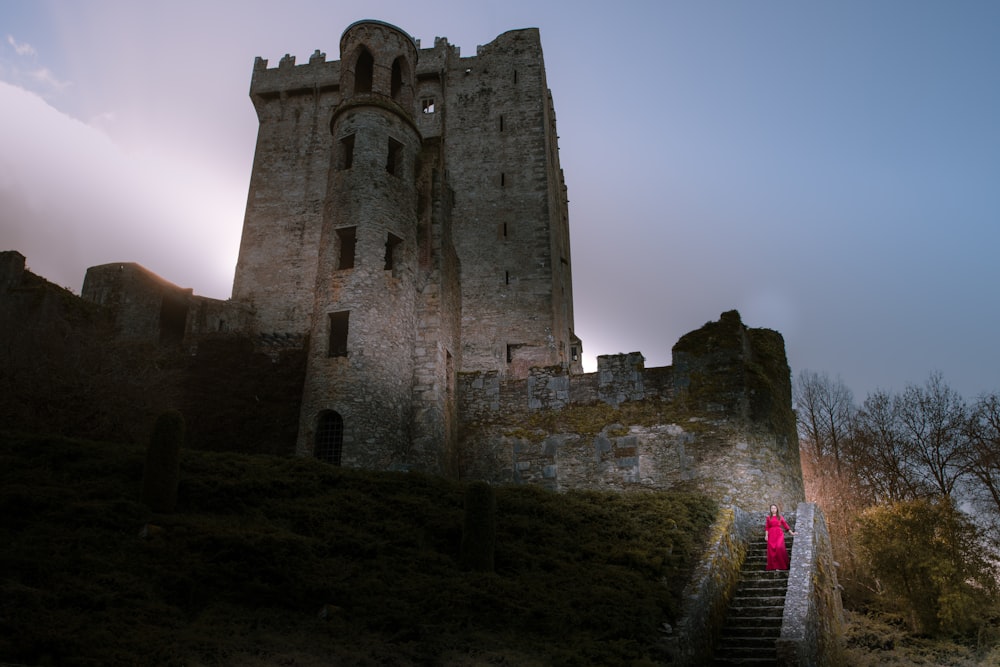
403 301
407 231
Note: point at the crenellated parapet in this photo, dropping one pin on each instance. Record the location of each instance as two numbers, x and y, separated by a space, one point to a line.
717 421
288 79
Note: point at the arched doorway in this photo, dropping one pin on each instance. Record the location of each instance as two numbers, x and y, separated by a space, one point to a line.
329 444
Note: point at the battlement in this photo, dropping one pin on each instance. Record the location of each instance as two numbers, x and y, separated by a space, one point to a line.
724 405
317 76
407 241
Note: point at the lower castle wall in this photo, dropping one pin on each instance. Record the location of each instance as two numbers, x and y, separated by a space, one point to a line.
623 428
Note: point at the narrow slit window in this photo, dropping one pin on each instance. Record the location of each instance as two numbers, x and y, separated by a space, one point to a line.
503 179
392 252
346 240
394 160
506 277
501 123
346 154
396 82
338 333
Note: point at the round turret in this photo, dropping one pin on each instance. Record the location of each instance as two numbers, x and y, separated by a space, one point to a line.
357 397
378 61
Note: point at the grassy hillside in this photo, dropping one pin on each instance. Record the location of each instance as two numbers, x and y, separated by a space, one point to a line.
290 561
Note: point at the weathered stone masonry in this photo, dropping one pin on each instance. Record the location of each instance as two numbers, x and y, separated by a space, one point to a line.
406 227
718 421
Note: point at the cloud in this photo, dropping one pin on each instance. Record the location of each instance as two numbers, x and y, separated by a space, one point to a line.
70 198
45 76
21 49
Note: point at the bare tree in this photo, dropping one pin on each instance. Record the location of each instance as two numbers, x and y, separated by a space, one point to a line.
933 420
825 410
984 459
881 459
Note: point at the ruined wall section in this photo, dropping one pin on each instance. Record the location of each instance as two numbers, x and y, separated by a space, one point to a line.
144 306
500 144
276 269
715 422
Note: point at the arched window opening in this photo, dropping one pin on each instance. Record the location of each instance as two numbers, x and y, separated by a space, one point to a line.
396 86
329 437
364 70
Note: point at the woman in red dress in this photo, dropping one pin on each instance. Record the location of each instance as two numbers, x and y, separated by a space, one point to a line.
775 527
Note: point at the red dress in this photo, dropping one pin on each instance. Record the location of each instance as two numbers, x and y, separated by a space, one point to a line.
777 554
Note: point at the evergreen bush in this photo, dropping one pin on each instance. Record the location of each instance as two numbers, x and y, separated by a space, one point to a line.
162 470
479 532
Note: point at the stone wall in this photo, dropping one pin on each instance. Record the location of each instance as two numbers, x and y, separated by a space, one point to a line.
812 626
511 227
716 424
707 595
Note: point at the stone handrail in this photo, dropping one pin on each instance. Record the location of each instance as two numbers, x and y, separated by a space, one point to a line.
812 624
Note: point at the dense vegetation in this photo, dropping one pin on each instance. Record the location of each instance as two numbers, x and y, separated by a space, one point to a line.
910 484
271 560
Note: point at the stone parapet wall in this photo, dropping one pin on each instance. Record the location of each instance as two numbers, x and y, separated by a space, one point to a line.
812 625
721 424
707 595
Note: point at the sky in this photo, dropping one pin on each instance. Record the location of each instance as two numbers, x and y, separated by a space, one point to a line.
829 169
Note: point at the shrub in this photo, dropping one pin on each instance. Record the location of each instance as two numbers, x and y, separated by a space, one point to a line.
160 476
479 532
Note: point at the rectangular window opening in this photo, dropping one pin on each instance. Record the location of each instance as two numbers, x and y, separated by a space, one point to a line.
427 105
394 161
338 333
506 277
503 179
346 159
346 241
392 252
501 123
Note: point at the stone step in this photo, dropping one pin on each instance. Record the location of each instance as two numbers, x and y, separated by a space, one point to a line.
745 601
762 584
760 612
753 620
757 641
747 653
775 576
745 662
769 631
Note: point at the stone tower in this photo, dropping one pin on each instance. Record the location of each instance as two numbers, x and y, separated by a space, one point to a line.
407 216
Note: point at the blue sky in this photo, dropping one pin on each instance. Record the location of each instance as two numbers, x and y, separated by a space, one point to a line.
829 169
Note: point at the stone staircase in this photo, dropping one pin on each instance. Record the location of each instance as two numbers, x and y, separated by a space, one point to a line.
753 622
